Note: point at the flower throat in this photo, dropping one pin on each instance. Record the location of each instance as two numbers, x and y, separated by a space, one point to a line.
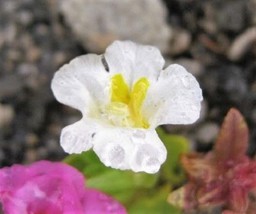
125 105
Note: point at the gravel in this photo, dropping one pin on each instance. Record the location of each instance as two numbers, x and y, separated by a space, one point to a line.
213 39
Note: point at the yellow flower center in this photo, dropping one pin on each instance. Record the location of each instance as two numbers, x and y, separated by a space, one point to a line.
125 105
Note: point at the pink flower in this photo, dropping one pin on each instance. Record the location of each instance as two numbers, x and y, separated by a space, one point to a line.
51 188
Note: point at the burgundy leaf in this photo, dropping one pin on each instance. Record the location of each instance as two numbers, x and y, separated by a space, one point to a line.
224 177
232 141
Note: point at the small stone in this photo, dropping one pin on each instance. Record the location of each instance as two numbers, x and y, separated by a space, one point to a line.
231 15
24 17
201 53
207 133
224 84
193 66
208 23
252 9
33 54
242 44
30 156
60 58
10 33
180 41
30 74
42 153
250 74
98 23
31 140
6 115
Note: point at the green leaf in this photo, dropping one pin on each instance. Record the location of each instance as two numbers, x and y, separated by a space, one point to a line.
120 184
171 170
154 203
87 162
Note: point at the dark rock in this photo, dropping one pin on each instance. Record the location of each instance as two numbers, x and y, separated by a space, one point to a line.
224 85
231 15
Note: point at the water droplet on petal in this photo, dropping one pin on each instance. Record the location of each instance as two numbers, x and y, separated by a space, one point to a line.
68 137
139 134
152 165
185 81
116 155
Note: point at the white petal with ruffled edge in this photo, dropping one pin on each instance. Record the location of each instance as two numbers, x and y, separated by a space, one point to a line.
137 149
78 137
174 99
81 83
134 61
149 152
113 147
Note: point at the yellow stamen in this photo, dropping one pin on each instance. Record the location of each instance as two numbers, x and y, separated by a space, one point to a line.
137 96
119 89
126 104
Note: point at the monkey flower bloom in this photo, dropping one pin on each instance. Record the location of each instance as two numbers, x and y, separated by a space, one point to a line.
51 188
124 95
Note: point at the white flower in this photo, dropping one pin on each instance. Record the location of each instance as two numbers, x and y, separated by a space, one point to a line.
124 95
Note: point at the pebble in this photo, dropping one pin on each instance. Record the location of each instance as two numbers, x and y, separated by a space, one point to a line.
193 66
230 15
30 156
224 84
207 133
180 41
200 35
242 44
252 9
98 23
32 140
30 74
6 115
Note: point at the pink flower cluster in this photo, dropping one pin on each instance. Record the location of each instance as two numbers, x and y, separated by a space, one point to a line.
51 188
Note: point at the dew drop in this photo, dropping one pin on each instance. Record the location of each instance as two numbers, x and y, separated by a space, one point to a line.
150 48
152 165
185 81
116 155
139 134
68 136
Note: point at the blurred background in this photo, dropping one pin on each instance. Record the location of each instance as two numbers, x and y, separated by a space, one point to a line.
214 39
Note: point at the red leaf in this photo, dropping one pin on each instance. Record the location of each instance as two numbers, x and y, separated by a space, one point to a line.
196 166
232 142
238 200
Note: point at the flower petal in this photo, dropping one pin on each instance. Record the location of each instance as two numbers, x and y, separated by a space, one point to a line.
42 187
79 136
114 147
97 202
134 61
149 153
174 99
81 82
137 149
